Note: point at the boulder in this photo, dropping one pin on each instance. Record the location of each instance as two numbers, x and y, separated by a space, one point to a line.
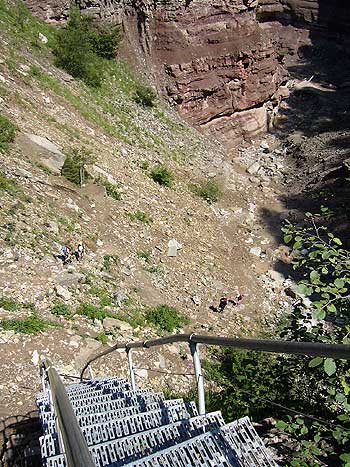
44 152
68 279
63 293
113 323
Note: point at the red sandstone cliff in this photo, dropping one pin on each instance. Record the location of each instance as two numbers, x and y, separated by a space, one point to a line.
213 59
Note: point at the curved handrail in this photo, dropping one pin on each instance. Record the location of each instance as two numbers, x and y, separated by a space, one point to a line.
275 346
75 446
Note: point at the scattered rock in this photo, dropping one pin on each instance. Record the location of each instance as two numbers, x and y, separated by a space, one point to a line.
196 300
68 279
23 173
173 247
63 293
112 323
256 251
42 38
35 358
276 276
254 168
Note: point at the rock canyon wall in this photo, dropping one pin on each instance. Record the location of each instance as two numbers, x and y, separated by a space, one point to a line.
219 62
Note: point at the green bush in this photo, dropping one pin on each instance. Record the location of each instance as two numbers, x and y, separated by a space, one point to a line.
102 337
61 309
145 255
140 216
93 312
109 261
7 132
74 165
111 189
74 50
8 305
165 318
162 175
79 46
209 190
105 41
30 325
145 96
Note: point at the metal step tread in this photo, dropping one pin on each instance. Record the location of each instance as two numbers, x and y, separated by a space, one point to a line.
129 424
101 398
236 444
134 446
142 400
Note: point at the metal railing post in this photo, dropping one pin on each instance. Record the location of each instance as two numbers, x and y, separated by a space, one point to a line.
199 377
131 369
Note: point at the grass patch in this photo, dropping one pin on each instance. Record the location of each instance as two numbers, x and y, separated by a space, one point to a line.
145 96
30 325
102 337
9 305
7 132
93 312
109 261
165 318
152 269
162 175
209 190
145 255
61 309
140 216
111 189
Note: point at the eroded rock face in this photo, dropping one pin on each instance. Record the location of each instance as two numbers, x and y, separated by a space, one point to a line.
220 69
218 62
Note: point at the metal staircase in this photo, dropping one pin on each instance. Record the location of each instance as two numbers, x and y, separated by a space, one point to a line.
140 428
110 422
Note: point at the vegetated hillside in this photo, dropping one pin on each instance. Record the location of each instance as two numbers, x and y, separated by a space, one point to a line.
150 178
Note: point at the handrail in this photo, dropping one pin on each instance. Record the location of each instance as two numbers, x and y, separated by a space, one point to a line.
275 346
75 446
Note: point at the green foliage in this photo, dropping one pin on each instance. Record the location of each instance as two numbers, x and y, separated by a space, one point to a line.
105 41
73 49
61 309
145 255
30 325
102 337
7 132
109 261
8 304
93 312
111 189
165 318
209 190
79 46
162 175
145 96
74 166
140 216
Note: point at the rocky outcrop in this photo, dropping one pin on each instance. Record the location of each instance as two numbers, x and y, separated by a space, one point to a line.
218 62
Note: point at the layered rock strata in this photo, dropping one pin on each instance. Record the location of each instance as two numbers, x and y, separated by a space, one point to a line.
213 60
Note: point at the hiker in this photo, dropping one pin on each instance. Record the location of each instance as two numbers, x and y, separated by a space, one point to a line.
79 252
66 253
224 302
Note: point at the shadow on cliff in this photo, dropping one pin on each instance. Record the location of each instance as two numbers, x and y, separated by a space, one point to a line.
315 123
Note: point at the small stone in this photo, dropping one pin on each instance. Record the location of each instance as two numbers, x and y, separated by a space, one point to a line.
35 358
42 38
23 173
254 168
112 323
63 293
276 276
141 373
256 251
196 300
